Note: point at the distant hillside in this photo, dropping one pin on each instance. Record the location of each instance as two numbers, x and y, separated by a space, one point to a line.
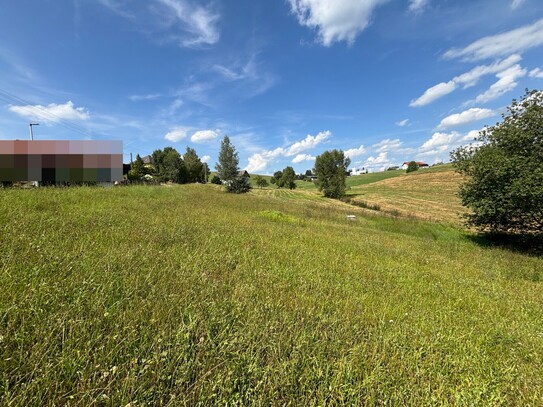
429 194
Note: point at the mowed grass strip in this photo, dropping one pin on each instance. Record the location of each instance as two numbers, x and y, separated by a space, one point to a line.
186 295
424 194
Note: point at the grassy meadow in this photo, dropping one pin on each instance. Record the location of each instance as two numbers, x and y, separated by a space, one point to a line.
186 295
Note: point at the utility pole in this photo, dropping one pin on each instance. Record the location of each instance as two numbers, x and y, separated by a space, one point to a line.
31 133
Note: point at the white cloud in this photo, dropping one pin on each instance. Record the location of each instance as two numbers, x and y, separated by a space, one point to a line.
187 23
439 146
52 113
536 73
138 98
402 123
507 81
355 152
205 159
379 163
467 80
471 78
259 161
204 135
302 157
335 20
465 117
176 135
255 78
199 22
308 143
510 42
439 140
388 145
417 6
516 3
434 93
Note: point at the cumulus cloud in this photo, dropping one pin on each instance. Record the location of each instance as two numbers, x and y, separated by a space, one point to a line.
417 6
379 163
439 140
402 123
388 145
441 144
52 113
536 73
466 80
355 152
176 135
259 161
205 159
204 135
334 20
494 46
308 143
302 157
507 81
465 117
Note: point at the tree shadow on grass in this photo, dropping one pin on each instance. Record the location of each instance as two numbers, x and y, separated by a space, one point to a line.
518 243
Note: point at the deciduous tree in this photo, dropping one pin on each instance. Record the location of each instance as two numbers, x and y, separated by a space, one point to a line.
504 171
330 168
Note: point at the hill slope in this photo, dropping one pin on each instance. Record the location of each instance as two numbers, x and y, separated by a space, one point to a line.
186 295
426 194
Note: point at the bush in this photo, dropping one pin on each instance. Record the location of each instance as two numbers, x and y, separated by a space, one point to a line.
412 166
216 180
238 185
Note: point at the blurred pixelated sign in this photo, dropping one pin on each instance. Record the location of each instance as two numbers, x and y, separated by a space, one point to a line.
53 161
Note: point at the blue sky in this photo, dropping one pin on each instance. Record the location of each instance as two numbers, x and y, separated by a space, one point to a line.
384 80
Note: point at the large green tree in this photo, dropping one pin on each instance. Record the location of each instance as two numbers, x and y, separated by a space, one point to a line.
331 168
193 166
288 178
228 165
504 171
169 165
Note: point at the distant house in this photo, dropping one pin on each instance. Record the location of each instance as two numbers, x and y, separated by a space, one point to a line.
243 173
419 163
358 171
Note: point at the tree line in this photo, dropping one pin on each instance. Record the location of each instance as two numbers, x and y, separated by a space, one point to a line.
169 166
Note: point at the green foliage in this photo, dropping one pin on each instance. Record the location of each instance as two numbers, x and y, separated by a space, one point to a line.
238 185
194 167
277 179
228 165
169 165
412 166
330 168
504 185
261 182
137 169
288 178
204 174
216 180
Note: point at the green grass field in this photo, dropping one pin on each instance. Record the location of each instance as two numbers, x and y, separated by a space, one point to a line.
185 294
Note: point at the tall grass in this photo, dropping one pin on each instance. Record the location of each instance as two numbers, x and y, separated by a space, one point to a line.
186 295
